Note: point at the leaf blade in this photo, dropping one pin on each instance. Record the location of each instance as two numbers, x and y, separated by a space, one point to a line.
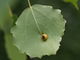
26 34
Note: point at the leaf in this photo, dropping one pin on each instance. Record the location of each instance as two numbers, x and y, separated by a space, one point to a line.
74 2
6 20
27 37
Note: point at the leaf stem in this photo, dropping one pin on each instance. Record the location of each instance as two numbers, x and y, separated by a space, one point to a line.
34 17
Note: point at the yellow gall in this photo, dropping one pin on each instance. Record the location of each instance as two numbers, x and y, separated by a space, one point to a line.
44 37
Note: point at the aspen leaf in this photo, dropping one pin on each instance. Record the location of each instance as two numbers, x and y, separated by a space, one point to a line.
27 37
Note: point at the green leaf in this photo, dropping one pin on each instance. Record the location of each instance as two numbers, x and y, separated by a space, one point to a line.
6 20
74 2
27 37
